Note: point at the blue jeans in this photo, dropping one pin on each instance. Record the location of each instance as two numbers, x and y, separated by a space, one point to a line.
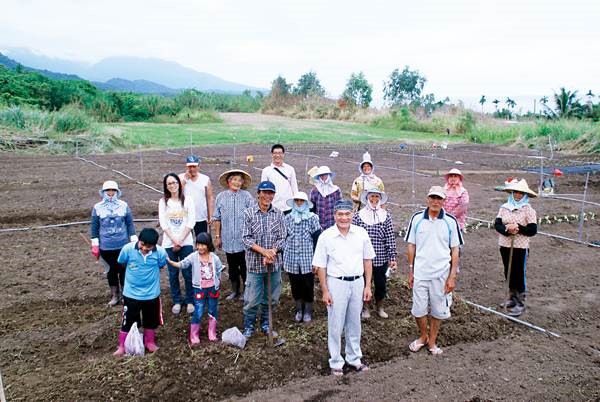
174 276
256 296
205 297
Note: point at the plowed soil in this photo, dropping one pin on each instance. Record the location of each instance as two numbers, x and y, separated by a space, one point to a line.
57 335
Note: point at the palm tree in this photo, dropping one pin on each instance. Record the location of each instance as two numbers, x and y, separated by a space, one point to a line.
495 102
510 103
565 101
482 101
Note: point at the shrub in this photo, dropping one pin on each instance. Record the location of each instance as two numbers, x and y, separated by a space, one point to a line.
71 119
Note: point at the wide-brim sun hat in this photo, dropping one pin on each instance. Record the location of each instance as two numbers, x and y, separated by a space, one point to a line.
322 170
364 196
245 176
300 195
110 185
454 171
520 186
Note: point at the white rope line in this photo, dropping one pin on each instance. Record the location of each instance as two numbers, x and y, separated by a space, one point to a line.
546 234
508 317
60 225
120 173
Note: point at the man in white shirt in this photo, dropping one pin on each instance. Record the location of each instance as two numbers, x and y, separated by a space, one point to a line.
344 254
199 187
283 176
433 238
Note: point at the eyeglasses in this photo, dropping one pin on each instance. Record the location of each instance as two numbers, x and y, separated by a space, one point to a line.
171 183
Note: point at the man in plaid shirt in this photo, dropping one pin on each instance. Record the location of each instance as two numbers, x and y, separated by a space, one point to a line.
263 235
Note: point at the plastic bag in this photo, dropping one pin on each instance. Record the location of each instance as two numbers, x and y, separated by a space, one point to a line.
234 337
134 342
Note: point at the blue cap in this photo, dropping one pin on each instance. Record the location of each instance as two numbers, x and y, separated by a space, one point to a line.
343 205
192 160
266 186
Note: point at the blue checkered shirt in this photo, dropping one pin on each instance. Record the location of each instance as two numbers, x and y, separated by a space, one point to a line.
229 209
266 229
382 238
324 206
298 252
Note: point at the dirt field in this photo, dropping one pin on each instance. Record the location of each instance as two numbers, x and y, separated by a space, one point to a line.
57 336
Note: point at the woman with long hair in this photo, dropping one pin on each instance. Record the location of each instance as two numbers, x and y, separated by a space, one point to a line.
177 218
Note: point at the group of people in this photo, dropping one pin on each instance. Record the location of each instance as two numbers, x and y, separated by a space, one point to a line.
346 243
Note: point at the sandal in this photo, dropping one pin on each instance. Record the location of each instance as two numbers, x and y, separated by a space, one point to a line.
337 372
435 350
416 345
361 367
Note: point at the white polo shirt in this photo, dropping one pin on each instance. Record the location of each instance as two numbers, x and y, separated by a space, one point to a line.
285 188
343 255
433 239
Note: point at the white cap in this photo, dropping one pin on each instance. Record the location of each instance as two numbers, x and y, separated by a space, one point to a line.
437 190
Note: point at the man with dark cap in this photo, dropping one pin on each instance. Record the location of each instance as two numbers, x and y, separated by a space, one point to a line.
263 235
344 255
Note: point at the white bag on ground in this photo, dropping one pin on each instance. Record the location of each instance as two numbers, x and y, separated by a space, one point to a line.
234 337
134 342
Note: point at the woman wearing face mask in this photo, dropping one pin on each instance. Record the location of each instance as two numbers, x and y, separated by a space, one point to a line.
367 179
324 195
302 227
457 197
378 224
111 228
516 223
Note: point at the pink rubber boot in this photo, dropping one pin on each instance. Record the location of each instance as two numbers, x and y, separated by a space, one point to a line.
121 350
194 334
149 340
212 328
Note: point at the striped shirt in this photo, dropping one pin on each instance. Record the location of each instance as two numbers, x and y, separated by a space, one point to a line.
298 252
229 210
382 238
266 229
324 206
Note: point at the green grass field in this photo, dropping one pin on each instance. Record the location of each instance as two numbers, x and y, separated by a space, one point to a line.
153 135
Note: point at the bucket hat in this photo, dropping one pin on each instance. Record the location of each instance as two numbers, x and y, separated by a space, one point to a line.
300 195
364 195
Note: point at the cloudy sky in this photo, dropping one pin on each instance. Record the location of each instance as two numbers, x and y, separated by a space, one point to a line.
465 48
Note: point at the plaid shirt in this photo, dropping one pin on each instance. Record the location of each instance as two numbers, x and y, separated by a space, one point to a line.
324 206
266 229
298 253
522 216
382 238
229 209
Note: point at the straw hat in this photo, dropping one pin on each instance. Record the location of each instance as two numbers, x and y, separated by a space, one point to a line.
245 176
365 193
520 186
300 195
454 171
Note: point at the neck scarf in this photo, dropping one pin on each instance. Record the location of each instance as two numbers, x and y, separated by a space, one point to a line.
511 204
326 187
372 215
111 203
300 213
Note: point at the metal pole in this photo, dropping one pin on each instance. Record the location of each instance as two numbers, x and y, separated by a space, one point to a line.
540 188
581 214
413 172
191 146
141 163
306 171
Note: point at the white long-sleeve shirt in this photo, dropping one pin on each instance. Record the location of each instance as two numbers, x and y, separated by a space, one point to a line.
175 217
285 189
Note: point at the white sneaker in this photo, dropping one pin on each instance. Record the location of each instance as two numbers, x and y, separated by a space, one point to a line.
382 314
190 308
176 309
365 314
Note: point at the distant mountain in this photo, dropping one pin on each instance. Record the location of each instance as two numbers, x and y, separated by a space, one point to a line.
166 73
12 64
137 86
